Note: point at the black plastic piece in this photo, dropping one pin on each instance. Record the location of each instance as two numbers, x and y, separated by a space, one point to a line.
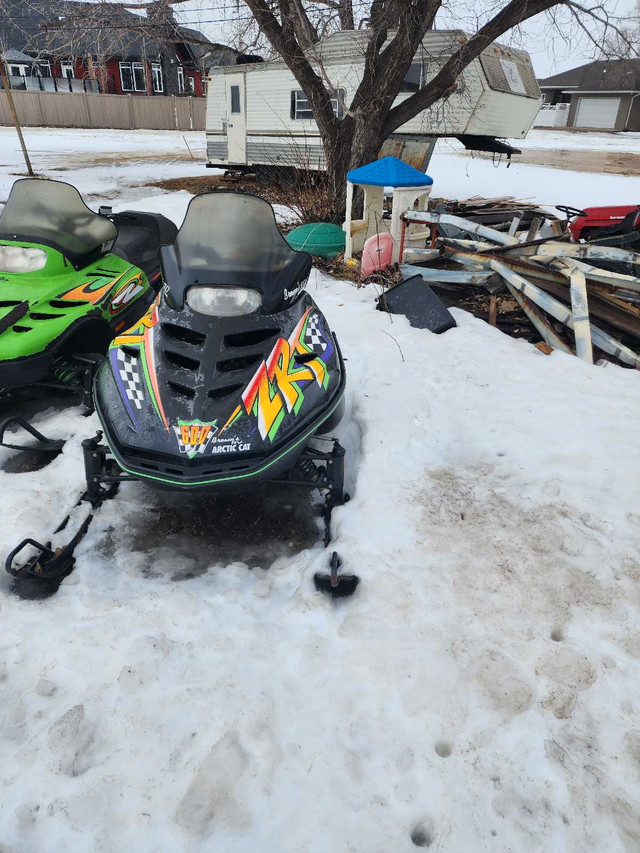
487 143
335 584
414 298
11 317
45 445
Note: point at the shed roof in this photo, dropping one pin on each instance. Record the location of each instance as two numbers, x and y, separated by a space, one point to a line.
389 172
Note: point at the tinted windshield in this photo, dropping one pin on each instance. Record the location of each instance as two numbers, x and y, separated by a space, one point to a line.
229 238
53 213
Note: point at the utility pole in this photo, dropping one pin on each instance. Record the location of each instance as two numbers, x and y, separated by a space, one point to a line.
14 115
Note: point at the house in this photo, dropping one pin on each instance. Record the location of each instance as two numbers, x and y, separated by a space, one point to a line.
63 45
257 113
601 95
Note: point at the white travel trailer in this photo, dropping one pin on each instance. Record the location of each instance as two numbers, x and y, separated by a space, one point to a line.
257 114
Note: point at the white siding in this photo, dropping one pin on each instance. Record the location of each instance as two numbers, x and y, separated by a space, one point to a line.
473 108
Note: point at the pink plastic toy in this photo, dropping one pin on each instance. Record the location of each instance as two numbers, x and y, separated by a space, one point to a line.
377 254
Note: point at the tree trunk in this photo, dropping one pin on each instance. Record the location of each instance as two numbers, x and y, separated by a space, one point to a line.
357 143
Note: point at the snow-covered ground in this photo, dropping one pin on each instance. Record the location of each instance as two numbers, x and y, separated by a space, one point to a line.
481 691
626 143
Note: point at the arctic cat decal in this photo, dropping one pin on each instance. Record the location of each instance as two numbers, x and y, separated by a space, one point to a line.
194 436
129 290
276 386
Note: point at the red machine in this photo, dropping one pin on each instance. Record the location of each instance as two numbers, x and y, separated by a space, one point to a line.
592 219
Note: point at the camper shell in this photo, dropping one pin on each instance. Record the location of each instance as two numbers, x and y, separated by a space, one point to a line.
258 115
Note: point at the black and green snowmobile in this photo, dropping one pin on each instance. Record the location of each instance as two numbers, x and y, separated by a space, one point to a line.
70 280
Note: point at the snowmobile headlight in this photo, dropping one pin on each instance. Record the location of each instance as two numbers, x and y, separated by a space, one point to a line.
21 259
223 301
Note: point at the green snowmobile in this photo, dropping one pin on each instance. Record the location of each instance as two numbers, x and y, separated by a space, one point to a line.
70 280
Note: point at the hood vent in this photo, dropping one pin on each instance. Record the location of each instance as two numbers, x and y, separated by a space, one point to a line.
40 316
66 303
241 362
225 391
179 360
182 390
183 335
251 338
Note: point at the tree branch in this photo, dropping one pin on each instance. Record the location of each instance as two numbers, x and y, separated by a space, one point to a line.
514 13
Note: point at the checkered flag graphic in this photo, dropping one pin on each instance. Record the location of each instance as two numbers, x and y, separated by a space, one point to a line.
313 336
130 376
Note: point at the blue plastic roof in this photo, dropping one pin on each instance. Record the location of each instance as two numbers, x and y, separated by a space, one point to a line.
389 172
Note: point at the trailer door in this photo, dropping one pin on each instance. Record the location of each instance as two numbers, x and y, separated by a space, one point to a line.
236 122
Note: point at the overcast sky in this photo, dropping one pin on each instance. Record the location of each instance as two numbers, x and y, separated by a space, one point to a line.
552 49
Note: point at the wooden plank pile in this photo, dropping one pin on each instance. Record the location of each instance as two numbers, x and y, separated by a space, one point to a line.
581 298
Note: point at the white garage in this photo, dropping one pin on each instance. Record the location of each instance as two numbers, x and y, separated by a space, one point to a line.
597 112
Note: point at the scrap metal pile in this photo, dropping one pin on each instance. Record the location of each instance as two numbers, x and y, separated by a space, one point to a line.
581 298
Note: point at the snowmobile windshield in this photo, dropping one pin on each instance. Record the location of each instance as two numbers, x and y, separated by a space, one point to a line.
231 239
53 214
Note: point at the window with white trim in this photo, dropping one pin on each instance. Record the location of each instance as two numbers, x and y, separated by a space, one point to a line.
156 77
180 71
67 70
189 85
133 77
43 68
18 70
301 108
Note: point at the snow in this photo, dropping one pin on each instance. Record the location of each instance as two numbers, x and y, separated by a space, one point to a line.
463 177
479 692
627 142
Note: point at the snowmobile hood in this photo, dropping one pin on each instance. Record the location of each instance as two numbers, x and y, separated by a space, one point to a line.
36 308
192 400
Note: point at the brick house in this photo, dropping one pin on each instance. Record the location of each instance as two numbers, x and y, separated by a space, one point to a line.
63 45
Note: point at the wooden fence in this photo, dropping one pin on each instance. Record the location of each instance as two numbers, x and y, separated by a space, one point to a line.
123 112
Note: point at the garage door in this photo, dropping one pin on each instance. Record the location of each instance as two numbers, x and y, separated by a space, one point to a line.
597 112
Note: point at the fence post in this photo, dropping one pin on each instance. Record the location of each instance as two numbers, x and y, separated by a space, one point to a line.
175 112
132 121
190 113
42 122
86 109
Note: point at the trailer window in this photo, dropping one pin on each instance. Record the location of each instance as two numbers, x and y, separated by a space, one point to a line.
413 78
235 99
301 108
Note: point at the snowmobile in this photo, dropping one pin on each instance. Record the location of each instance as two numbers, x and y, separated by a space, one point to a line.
70 279
226 383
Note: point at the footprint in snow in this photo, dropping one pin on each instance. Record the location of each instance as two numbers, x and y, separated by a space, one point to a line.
70 740
214 798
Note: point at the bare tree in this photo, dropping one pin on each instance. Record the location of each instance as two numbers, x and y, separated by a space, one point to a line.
394 32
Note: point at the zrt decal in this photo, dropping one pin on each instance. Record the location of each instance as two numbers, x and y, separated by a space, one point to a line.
277 386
